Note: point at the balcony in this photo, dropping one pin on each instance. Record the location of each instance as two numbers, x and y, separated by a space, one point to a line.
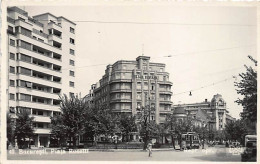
39 56
29 104
42 131
38 80
39 68
39 43
121 100
38 118
165 102
56 38
35 92
165 82
121 80
120 90
165 92
165 111
23 24
55 26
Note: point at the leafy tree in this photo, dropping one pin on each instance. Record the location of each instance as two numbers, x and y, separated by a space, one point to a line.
59 130
178 127
100 121
236 130
148 128
127 124
202 131
73 115
247 87
23 127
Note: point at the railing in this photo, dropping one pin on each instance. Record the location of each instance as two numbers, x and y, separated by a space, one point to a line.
35 21
40 33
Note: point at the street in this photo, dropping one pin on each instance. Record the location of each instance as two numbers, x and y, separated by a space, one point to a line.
209 154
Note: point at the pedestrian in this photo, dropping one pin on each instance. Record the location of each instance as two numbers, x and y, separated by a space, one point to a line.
149 148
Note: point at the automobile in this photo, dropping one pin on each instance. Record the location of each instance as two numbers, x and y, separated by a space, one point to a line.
249 154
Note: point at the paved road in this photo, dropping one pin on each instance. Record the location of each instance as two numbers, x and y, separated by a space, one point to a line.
210 154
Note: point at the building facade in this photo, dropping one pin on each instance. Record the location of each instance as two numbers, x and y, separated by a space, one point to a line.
41 61
213 113
130 85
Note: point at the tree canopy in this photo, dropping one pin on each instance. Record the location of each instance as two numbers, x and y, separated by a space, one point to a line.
247 87
23 126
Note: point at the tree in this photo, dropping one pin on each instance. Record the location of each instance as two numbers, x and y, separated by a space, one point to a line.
72 118
236 130
127 124
178 127
247 87
10 126
24 127
59 130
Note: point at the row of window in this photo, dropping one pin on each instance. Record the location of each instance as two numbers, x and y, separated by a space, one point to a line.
28 46
26 71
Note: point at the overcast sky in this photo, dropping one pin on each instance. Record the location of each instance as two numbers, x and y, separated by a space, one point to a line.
208 44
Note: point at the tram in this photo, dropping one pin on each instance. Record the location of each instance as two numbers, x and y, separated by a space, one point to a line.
190 140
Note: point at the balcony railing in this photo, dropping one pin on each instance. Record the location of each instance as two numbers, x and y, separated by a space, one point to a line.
40 33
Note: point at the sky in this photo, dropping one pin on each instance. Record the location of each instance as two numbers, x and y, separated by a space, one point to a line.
208 45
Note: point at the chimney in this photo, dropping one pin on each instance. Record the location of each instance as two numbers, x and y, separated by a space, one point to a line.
206 100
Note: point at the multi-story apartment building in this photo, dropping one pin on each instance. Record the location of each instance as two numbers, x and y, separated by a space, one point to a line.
214 113
130 85
41 61
89 98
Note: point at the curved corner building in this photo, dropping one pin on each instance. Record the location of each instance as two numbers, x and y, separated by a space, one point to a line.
130 85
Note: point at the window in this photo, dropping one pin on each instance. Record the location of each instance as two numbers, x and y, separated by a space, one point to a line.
26 32
72 62
152 87
40 125
71 84
40 112
12 70
25 97
71 73
72 30
71 94
12 56
25 58
12 83
161 69
26 45
12 42
10 29
138 96
12 110
72 52
34 111
11 96
72 41
25 71
28 84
